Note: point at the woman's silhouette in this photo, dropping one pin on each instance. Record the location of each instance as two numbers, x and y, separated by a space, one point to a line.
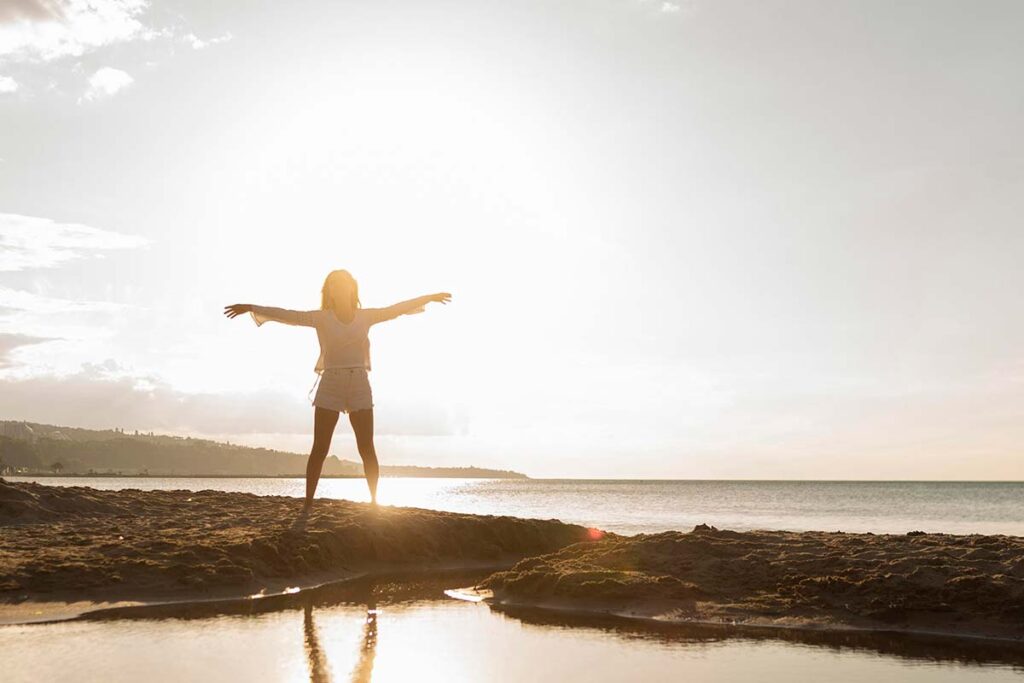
342 326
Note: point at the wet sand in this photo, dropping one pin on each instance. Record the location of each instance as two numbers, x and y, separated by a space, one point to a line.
67 550
923 583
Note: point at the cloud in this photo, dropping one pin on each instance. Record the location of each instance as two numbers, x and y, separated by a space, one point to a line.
39 10
9 342
44 30
199 44
37 32
106 82
17 300
75 330
143 403
685 8
104 395
28 242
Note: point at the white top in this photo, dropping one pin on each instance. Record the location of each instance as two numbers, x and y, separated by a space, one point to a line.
342 345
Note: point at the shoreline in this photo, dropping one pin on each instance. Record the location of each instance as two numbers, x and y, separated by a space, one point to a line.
141 607
522 477
106 475
71 550
914 582
71 544
55 609
752 625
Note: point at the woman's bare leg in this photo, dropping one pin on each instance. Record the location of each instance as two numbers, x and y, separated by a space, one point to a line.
362 425
323 429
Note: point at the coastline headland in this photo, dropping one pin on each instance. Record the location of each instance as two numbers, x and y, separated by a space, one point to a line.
68 550
33 449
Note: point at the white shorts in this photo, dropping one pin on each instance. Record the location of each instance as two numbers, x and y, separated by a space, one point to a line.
344 389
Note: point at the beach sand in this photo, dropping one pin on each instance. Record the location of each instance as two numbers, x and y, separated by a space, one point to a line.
928 583
67 550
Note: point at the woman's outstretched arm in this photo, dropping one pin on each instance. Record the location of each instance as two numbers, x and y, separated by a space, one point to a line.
378 315
262 314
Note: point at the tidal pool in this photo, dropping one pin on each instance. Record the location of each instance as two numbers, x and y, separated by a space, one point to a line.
406 629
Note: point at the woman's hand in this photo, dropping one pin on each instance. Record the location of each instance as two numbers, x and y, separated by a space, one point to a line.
235 310
441 297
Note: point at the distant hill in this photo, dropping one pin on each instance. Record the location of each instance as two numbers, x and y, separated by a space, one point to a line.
30 448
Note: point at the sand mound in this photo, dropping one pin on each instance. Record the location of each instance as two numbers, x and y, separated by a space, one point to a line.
32 503
937 582
131 544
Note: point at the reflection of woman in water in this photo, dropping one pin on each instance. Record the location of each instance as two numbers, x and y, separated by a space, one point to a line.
363 671
342 326
319 668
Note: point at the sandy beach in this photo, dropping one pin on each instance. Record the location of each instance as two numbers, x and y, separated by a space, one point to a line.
928 583
74 549
71 549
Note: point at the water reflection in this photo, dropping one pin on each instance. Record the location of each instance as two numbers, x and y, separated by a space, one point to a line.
363 671
410 589
929 648
319 672
319 668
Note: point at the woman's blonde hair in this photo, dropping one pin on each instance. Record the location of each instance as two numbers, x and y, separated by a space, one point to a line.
333 279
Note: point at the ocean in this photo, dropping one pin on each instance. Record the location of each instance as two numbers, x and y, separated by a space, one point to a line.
651 506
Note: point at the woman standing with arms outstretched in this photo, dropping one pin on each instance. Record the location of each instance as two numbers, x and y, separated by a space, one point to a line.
342 326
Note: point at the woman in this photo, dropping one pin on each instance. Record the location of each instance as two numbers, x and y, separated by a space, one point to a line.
342 326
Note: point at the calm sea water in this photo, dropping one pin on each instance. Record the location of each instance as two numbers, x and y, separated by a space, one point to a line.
634 506
388 631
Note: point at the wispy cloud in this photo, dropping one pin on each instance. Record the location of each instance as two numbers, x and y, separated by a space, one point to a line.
198 43
13 300
44 30
105 82
78 328
34 33
28 318
14 10
681 8
9 342
28 242
140 401
144 402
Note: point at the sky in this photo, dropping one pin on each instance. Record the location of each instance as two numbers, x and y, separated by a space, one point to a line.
705 239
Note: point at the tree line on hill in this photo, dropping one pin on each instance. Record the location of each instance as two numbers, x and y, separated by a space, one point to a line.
29 448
